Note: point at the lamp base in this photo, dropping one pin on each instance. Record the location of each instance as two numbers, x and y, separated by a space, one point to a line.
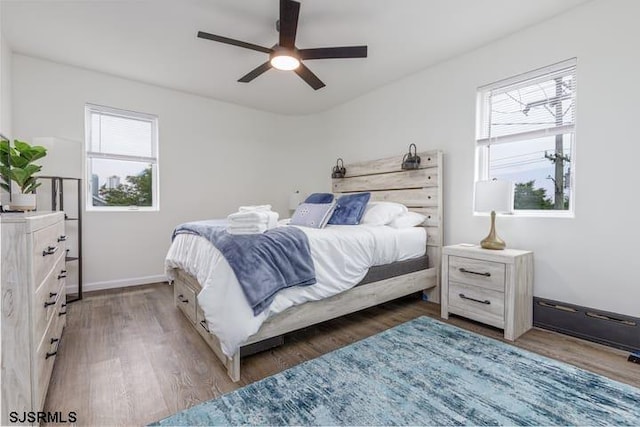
492 241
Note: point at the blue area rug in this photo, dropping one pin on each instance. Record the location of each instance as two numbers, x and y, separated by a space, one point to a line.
424 372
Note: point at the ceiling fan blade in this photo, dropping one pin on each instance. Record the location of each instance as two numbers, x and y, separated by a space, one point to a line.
289 12
334 52
227 40
255 72
311 79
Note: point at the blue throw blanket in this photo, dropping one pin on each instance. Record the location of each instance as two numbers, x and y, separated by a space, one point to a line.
263 263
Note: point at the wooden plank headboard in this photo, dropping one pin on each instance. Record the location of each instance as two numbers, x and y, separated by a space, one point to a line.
419 189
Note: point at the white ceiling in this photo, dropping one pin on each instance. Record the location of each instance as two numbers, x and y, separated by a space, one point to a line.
154 41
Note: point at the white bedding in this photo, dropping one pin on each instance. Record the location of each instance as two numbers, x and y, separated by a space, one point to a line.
342 255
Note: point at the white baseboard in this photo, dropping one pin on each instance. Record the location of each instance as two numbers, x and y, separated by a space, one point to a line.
113 284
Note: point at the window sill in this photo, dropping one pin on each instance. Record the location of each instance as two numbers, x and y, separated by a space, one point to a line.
123 209
532 214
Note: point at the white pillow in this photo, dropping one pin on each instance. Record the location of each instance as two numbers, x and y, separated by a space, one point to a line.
382 213
408 220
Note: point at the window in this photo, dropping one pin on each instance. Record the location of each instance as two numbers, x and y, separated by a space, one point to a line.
526 134
122 159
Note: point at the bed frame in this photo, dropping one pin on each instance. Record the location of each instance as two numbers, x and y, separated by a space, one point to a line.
420 190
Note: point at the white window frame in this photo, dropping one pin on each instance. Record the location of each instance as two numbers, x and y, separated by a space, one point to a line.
153 160
483 143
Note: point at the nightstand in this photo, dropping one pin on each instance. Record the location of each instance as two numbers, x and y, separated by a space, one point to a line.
491 286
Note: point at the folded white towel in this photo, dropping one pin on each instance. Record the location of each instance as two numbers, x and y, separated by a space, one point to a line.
247 229
249 217
273 219
261 208
268 218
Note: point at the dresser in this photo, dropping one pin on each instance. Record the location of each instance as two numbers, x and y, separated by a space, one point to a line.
494 287
33 306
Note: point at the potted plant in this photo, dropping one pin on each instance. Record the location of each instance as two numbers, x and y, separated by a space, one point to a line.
17 164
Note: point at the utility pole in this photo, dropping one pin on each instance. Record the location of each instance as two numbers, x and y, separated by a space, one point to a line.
558 158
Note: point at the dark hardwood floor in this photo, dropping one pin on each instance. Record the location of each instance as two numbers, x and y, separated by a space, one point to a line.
128 356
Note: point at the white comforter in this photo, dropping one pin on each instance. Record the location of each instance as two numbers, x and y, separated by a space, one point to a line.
342 255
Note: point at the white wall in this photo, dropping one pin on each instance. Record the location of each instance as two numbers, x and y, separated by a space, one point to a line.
5 84
589 260
213 158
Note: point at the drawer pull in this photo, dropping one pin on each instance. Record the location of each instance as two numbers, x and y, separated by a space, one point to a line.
52 294
47 304
62 313
64 305
54 340
464 270
50 354
203 323
181 298
50 250
463 296
62 275
62 239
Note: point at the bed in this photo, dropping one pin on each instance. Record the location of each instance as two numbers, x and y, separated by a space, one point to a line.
418 189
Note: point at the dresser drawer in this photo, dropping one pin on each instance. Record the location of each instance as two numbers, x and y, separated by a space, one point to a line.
47 353
487 274
46 298
185 299
48 247
477 303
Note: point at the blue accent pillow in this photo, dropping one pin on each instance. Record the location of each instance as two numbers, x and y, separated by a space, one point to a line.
314 215
320 198
349 209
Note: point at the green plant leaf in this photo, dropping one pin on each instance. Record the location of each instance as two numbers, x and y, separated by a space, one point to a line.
39 152
18 161
32 169
29 152
4 151
19 176
30 187
21 146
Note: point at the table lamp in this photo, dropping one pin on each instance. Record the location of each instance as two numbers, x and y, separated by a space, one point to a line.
493 196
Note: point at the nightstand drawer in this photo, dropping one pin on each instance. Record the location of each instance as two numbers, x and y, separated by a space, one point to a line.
488 274
482 304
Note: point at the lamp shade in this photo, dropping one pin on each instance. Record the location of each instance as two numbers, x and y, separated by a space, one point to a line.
494 196
294 200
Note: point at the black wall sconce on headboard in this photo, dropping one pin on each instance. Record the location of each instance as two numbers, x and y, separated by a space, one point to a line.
338 170
411 161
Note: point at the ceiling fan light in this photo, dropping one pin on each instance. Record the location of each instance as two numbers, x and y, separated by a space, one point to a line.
285 62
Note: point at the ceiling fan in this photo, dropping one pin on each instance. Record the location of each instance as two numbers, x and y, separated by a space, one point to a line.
285 55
